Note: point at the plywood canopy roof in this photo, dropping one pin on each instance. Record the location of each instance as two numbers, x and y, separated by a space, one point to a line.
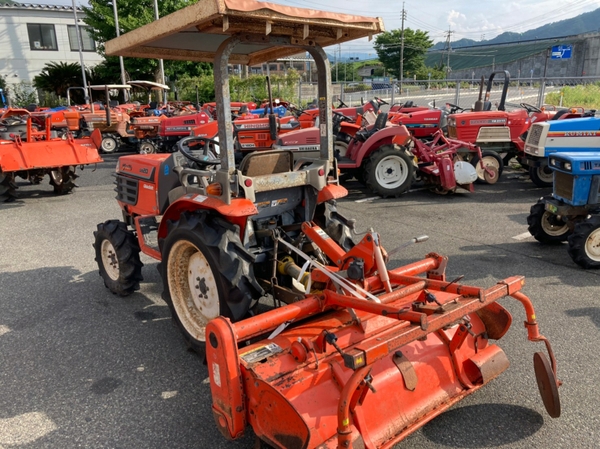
194 33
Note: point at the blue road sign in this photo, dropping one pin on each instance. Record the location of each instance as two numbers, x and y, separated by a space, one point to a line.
561 52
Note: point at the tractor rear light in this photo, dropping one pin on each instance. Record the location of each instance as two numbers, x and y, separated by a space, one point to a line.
248 183
214 189
321 172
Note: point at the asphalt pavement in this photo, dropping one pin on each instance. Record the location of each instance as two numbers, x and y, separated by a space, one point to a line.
82 368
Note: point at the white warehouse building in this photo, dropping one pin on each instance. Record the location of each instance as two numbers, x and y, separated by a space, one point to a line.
33 35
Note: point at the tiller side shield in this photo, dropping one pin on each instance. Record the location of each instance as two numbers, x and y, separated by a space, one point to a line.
363 363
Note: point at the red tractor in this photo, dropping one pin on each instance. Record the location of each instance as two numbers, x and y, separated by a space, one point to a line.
499 133
161 133
344 352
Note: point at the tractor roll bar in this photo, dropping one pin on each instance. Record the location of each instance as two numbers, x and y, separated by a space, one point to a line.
225 174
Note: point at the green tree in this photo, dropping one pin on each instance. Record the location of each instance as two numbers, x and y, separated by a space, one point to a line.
388 47
57 77
134 14
347 71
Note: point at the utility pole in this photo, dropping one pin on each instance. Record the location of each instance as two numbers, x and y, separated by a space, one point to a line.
449 47
160 61
337 65
86 93
118 31
402 49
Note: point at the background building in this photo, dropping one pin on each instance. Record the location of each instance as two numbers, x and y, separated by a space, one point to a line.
33 35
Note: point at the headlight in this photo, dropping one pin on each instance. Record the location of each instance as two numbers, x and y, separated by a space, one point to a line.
553 162
567 166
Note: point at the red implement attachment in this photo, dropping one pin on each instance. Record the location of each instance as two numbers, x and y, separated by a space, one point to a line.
363 362
18 155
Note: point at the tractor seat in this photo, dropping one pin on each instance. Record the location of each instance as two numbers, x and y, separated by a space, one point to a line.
267 163
559 114
380 123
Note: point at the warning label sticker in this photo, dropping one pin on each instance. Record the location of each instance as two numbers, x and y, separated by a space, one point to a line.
261 353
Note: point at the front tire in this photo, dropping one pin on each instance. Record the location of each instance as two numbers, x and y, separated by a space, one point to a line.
389 171
109 144
63 179
584 243
491 160
544 226
541 176
206 272
7 187
146 147
118 257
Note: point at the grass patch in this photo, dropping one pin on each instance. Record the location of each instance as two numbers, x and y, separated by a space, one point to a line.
587 96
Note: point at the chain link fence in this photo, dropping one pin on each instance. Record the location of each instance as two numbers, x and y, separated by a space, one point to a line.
464 93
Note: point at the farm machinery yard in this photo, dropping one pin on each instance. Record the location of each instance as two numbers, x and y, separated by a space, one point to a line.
351 353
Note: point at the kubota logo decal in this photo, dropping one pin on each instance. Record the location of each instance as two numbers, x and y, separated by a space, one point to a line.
574 134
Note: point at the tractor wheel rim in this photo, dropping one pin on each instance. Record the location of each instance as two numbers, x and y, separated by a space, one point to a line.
545 174
110 260
146 148
488 161
592 245
391 172
109 144
56 176
193 288
552 229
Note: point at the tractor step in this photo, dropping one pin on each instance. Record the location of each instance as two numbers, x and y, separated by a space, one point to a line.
147 229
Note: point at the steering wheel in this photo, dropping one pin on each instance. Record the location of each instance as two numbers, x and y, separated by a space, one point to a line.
342 116
380 101
342 104
529 107
454 108
209 157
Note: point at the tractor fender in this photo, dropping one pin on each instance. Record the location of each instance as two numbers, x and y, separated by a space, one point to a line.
386 136
237 212
349 128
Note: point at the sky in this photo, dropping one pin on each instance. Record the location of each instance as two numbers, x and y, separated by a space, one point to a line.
472 19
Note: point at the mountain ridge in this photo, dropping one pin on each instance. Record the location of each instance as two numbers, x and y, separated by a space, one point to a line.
583 23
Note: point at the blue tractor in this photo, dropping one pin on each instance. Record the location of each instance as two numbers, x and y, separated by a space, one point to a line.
556 135
572 212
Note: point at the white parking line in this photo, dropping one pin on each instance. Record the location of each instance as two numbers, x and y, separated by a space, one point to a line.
364 200
523 236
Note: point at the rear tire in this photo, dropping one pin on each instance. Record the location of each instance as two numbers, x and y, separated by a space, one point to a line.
389 171
7 187
206 272
63 179
542 176
490 159
544 226
584 243
118 257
